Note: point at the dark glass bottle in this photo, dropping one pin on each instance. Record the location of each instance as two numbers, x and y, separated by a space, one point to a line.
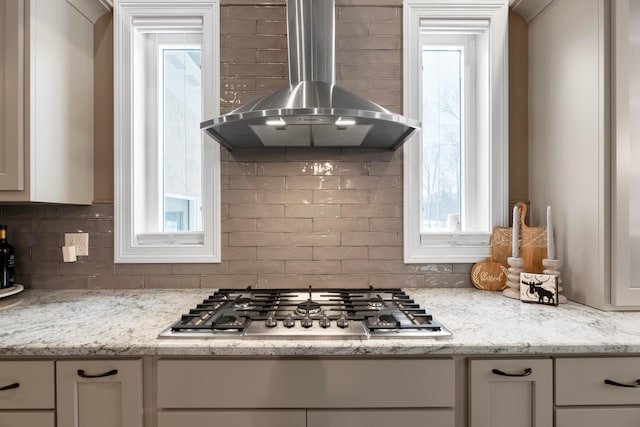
7 260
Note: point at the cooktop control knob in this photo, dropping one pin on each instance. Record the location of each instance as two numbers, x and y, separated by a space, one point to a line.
325 322
289 322
306 322
342 322
270 322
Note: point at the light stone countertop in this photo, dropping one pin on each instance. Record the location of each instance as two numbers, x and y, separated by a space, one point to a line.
47 323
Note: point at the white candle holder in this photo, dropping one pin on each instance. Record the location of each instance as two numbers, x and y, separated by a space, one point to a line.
513 278
552 266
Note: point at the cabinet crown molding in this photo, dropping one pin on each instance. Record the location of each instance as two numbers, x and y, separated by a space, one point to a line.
529 9
92 9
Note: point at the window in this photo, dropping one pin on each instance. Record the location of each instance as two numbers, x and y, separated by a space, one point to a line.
167 173
455 167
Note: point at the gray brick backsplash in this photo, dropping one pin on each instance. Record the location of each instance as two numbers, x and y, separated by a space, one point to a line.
325 217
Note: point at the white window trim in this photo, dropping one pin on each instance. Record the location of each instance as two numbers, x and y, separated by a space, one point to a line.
455 247
165 247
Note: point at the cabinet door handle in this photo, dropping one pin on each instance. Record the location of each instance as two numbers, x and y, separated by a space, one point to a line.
524 373
617 384
10 386
82 374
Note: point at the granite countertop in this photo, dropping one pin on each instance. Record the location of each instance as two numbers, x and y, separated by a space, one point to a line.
49 323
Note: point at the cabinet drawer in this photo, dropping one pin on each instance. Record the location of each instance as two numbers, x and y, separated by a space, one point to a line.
238 418
36 389
306 383
27 419
580 381
597 417
381 418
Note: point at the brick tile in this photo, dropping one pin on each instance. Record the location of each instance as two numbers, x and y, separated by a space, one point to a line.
42 253
256 183
353 57
228 26
258 13
285 253
385 85
368 182
272 27
312 182
270 83
238 168
252 41
397 280
116 282
312 239
354 85
339 168
233 281
448 281
238 196
16 227
132 269
99 226
341 196
385 252
369 13
285 225
88 268
208 268
390 43
258 70
429 268
98 240
95 211
256 211
385 168
385 224
256 267
340 224
286 197
385 98
386 197
42 268
386 28
315 280
377 266
285 169
59 282
371 211
238 56
256 239
462 268
238 224
312 211
349 71
29 211
370 155
272 56
59 225
351 28
97 253
312 267
172 282
238 253
235 84
369 238
340 252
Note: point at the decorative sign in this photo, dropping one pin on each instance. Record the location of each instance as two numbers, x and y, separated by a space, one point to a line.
539 288
489 275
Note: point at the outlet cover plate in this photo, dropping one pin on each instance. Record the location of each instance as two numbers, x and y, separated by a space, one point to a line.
80 241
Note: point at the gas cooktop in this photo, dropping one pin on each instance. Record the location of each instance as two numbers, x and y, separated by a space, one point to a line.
307 314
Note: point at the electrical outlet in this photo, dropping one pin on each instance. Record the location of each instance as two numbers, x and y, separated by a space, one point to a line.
80 241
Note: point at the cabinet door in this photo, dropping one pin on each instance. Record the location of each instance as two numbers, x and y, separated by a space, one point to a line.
27 419
625 225
597 417
11 94
381 418
239 418
511 393
27 385
99 393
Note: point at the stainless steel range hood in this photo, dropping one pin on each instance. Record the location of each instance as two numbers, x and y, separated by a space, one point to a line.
311 111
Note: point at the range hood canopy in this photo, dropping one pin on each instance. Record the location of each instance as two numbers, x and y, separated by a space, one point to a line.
311 111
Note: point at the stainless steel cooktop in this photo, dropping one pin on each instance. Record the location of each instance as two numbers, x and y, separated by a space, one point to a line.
307 314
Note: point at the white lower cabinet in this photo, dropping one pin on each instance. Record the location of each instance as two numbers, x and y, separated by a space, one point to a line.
27 394
598 391
99 393
511 393
371 392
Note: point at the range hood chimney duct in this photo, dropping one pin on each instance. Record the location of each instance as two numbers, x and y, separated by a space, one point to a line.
311 111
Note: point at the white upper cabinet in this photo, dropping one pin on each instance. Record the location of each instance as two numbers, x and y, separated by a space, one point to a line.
583 144
46 110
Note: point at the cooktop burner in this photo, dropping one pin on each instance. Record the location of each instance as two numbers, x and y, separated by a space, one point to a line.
304 314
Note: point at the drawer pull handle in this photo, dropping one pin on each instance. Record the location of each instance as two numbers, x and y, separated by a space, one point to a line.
524 373
617 384
10 386
82 374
